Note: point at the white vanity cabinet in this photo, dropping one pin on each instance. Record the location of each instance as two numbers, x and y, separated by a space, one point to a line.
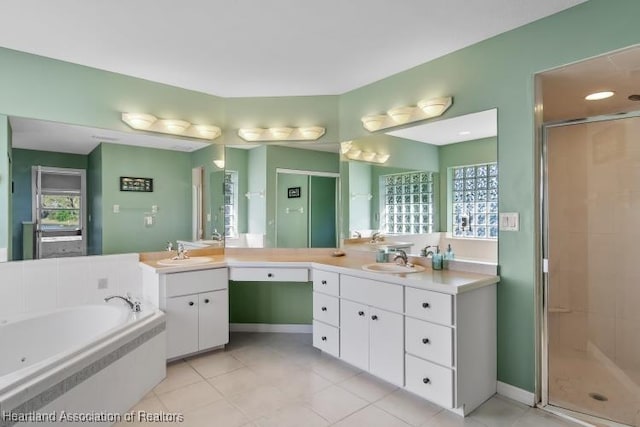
439 346
326 312
197 307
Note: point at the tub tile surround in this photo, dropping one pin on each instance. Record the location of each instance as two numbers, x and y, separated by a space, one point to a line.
35 285
249 395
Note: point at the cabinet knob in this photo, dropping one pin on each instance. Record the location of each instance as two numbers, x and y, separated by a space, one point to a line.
425 305
425 341
374 317
324 282
190 302
324 309
269 274
324 338
361 313
206 301
426 380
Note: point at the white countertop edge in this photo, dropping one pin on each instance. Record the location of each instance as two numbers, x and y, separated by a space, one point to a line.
407 280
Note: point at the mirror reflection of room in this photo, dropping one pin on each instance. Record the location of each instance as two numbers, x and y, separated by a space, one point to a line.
437 189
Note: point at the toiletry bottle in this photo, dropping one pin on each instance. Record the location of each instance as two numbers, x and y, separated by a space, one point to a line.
381 255
436 259
448 256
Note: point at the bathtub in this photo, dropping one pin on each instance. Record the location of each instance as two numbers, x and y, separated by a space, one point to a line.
82 359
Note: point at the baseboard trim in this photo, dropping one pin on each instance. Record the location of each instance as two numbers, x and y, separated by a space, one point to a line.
517 394
267 327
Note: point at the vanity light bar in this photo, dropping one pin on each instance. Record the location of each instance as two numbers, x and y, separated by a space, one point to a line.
368 156
309 133
425 109
148 122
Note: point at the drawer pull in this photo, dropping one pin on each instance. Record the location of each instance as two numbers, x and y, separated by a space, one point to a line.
425 305
324 309
324 338
426 341
206 301
324 282
374 317
190 302
426 380
361 313
269 274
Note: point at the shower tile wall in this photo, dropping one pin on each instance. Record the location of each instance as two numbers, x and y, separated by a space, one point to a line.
27 286
594 246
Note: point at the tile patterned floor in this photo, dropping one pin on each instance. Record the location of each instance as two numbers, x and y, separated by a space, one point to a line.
280 380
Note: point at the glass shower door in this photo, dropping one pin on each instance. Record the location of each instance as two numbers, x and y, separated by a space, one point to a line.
592 245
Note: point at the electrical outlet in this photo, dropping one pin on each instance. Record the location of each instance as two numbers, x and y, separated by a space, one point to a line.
116 208
103 283
154 209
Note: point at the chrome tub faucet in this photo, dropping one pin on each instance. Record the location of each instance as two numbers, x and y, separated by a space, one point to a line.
133 304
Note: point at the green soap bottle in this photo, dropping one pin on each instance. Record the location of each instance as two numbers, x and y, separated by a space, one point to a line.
436 259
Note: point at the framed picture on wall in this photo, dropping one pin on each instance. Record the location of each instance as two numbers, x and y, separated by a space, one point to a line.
293 192
141 185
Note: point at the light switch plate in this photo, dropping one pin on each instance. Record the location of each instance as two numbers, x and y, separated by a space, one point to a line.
116 208
509 221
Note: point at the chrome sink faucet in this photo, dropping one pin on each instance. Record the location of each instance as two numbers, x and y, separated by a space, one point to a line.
216 236
377 237
133 304
182 252
402 256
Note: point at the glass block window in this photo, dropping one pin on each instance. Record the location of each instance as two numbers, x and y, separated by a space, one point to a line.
408 202
230 203
475 201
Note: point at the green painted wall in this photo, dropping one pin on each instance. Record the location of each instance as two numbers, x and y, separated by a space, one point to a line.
499 72
212 193
323 212
463 153
94 194
5 185
359 182
238 160
257 178
171 173
292 229
23 160
273 302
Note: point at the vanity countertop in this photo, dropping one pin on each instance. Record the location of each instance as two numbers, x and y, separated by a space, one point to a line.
446 281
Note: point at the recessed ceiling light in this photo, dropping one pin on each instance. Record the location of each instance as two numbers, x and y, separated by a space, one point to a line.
464 132
599 95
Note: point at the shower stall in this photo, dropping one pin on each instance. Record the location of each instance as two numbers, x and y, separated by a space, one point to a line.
591 250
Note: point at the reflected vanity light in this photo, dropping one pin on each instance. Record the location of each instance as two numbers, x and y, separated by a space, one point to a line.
425 109
599 95
367 156
148 122
219 163
368 196
254 194
308 133
345 146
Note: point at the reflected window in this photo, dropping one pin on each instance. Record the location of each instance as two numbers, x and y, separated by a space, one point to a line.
231 203
60 212
474 192
408 202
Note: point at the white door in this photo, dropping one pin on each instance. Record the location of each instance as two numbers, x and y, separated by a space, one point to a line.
386 345
182 325
354 334
213 319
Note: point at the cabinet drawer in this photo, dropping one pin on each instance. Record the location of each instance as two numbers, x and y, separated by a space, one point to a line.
326 282
326 338
429 341
264 274
326 309
428 305
193 282
372 292
430 381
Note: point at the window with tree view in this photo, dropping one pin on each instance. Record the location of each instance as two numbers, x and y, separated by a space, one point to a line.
60 211
408 202
475 201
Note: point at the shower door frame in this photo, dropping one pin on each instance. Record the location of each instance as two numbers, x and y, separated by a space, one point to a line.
542 288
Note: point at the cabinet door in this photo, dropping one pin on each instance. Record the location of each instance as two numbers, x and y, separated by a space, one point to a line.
386 345
213 319
354 334
182 325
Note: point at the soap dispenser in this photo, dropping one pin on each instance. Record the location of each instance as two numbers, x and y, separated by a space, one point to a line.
436 259
448 256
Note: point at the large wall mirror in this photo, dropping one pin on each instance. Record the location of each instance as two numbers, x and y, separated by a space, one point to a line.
282 195
139 191
432 184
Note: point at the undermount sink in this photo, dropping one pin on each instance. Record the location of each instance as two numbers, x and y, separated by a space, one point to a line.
391 267
186 261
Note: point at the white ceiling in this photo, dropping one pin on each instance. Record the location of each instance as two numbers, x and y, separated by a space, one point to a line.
257 47
457 129
34 134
